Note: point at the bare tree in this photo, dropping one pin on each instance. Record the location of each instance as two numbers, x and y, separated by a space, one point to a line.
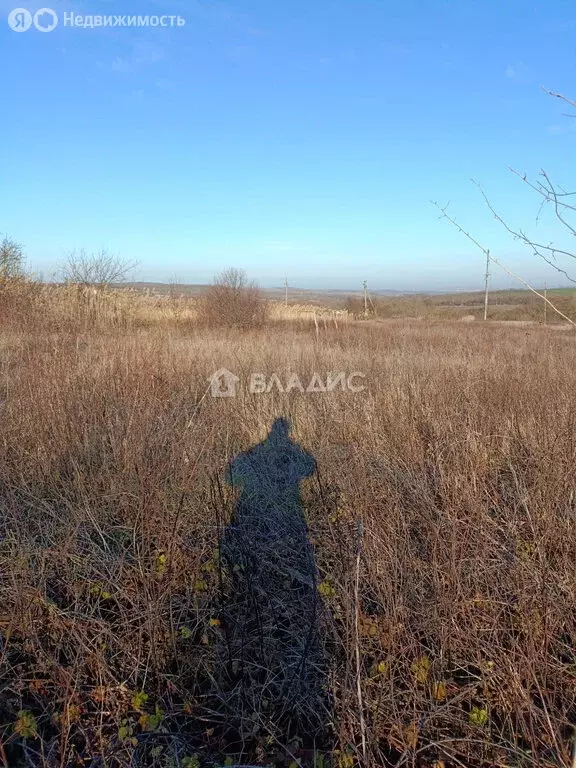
11 261
98 269
233 301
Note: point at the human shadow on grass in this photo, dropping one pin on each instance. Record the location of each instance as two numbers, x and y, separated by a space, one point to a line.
273 665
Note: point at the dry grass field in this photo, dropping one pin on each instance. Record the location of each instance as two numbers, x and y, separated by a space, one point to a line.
450 621
509 305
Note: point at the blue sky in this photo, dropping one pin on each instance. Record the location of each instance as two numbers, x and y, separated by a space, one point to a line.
288 137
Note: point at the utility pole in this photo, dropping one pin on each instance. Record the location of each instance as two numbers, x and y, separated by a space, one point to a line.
486 279
365 284
286 287
545 302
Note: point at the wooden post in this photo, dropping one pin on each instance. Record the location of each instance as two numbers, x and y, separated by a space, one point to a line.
365 284
286 287
486 279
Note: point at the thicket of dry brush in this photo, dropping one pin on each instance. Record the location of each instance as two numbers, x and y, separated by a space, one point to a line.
232 302
458 460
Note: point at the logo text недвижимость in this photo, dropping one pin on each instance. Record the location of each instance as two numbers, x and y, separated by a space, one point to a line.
46 20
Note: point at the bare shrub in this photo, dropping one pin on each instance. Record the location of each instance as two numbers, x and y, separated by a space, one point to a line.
93 274
18 293
98 269
11 261
232 301
353 306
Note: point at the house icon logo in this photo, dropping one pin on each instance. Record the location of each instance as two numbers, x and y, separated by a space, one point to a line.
223 383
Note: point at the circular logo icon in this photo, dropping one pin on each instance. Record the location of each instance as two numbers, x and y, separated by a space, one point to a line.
45 20
19 20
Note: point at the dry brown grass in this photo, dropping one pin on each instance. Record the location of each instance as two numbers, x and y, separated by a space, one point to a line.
458 460
503 305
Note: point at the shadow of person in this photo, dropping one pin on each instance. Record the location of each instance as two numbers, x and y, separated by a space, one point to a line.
273 668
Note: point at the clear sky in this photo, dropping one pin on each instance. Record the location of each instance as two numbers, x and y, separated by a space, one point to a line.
287 137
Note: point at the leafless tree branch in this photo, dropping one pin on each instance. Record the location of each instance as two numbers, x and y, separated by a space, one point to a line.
538 249
560 96
549 193
453 221
487 253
